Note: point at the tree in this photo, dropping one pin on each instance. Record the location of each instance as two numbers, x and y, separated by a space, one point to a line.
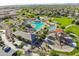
53 53
2 44
33 47
62 27
21 45
19 37
6 20
28 25
22 27
77 54
14 29
7 17
73 21
47 45
41 53
50 20
18 53
77 22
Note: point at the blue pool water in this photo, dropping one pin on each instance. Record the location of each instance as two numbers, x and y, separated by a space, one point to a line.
52 28
38 25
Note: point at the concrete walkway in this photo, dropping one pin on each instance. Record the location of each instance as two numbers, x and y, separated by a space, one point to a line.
69 25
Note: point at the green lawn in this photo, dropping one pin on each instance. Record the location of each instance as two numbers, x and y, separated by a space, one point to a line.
64 21
74 29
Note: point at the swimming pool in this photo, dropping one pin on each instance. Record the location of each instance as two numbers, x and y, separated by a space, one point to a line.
51 28
37 25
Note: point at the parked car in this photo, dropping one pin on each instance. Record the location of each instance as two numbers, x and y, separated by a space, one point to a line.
6 49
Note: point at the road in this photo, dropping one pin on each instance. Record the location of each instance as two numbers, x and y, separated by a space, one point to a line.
7 43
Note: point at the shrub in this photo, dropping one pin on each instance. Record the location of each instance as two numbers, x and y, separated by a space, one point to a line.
53 53
62 27
21 45
41 53
14 29
18 53
73 21
77 22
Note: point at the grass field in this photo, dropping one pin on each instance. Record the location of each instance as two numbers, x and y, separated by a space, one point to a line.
64 21
74 29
